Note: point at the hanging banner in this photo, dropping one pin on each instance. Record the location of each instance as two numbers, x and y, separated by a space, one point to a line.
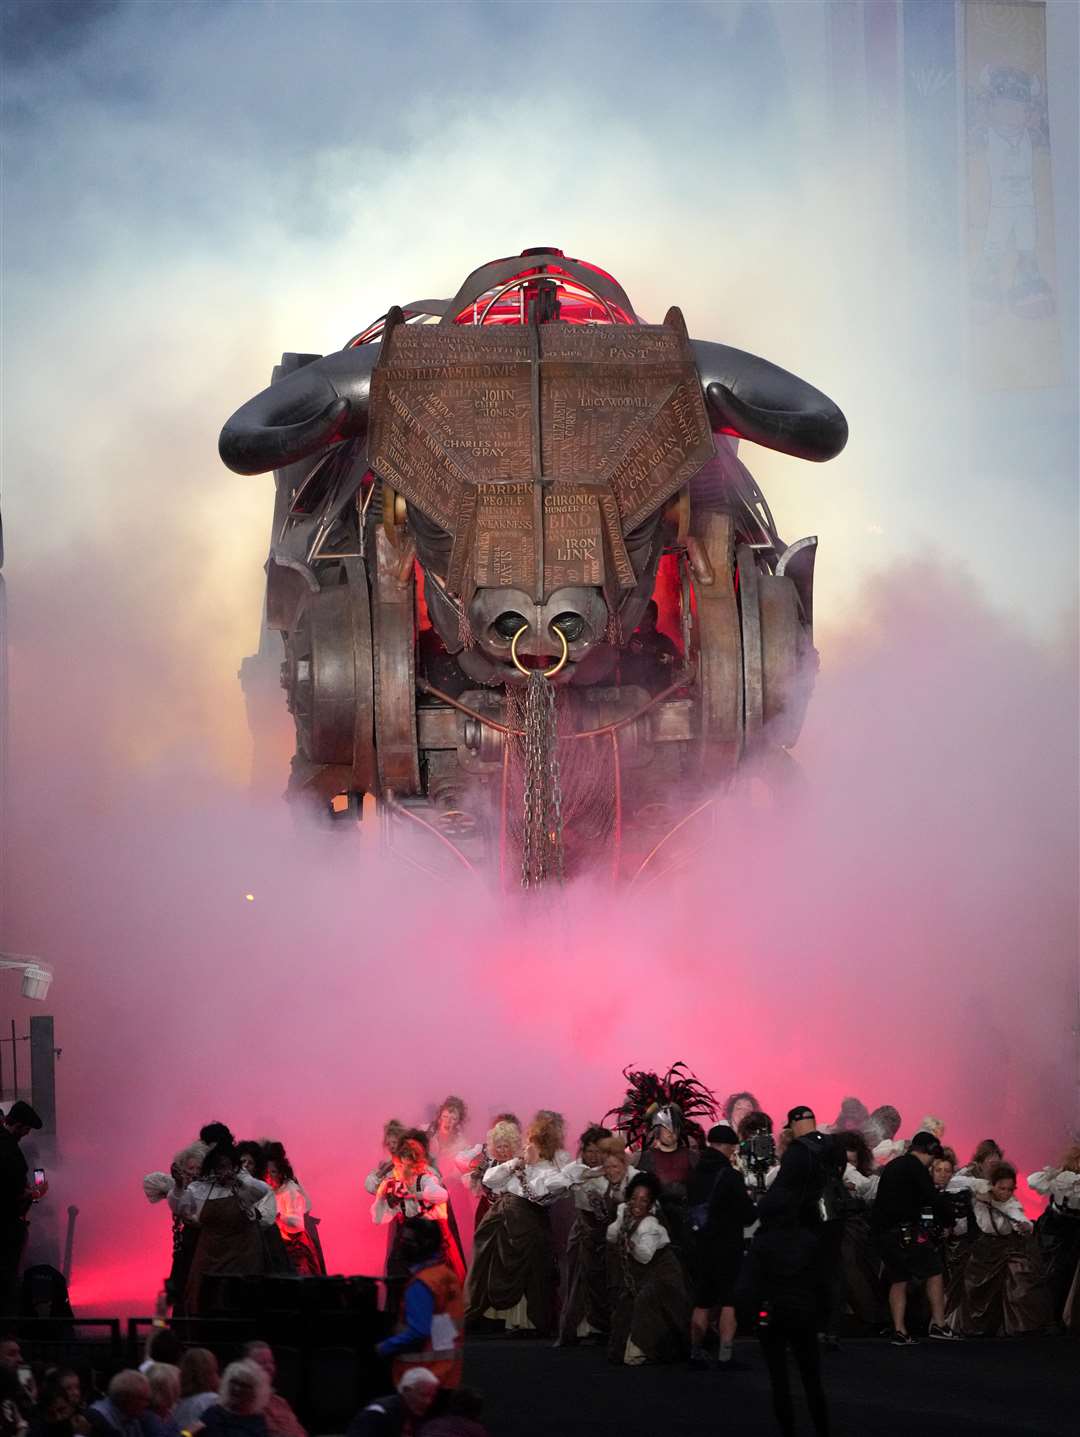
1016 340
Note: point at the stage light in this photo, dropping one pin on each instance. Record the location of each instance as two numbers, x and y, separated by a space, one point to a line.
36 978
250 897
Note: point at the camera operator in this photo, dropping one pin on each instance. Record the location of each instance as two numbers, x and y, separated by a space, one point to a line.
907 1215
757 1157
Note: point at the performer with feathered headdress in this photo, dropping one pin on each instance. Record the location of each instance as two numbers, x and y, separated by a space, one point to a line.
653 1117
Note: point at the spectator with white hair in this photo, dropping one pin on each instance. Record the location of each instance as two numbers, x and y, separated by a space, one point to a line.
393 1416
241 1405
164 1380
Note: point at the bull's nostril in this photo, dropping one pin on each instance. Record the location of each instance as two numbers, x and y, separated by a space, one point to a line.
508 624
571 626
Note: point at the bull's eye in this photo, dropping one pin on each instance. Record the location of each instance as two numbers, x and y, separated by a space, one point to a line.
571 626
508 624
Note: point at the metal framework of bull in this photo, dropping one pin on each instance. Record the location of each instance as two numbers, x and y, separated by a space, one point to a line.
530 459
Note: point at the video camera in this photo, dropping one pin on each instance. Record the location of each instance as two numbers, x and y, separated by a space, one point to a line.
758 1155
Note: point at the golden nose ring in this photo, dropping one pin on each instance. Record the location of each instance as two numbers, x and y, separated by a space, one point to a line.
548 673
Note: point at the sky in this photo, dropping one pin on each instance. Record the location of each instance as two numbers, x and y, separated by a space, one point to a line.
191 189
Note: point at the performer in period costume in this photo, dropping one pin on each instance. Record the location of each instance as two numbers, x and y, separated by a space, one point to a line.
186 1167
446 1141
292 1206
1001 1289
1057 1230
503 1142
651 1319
586 1311
228 1205
411 1189
652 1117
514 1275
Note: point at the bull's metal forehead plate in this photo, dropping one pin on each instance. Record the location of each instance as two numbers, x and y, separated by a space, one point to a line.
537 447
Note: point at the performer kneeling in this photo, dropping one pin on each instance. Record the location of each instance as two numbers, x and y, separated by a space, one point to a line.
652 1315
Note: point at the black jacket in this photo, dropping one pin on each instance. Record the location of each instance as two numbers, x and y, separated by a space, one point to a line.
715 1183
904 1191
14 1203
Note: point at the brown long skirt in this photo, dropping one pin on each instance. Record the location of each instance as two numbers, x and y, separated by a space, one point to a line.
229 1245
587 1280
1000 1289
513 1263
653 1310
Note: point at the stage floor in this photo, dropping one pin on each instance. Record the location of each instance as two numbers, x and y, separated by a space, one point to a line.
1028 1387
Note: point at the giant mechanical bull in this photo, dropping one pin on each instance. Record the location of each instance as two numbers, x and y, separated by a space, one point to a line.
475 488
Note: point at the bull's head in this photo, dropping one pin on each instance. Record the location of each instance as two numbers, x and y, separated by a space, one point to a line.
535 461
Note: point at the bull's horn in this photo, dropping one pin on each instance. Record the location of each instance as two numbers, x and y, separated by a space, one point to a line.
760 401
315 406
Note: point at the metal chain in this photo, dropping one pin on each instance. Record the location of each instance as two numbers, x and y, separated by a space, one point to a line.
541 846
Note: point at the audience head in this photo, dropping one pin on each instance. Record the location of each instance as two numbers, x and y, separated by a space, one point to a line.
164 1380
164 1346
129 1393
504 1141
642 1192
418 1389
589 1144
753 1124
198 1372
262 1354
801 1120
245 1388
737 1107
55 1407
1002 1180
884 1121
21 1119
926 1148
10 1351
68 1380
723 1138
852 1117
930 1124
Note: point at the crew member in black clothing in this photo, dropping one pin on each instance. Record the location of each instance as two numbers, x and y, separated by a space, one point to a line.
809 1188
906 1211
781 1282
16 1199
719 1208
